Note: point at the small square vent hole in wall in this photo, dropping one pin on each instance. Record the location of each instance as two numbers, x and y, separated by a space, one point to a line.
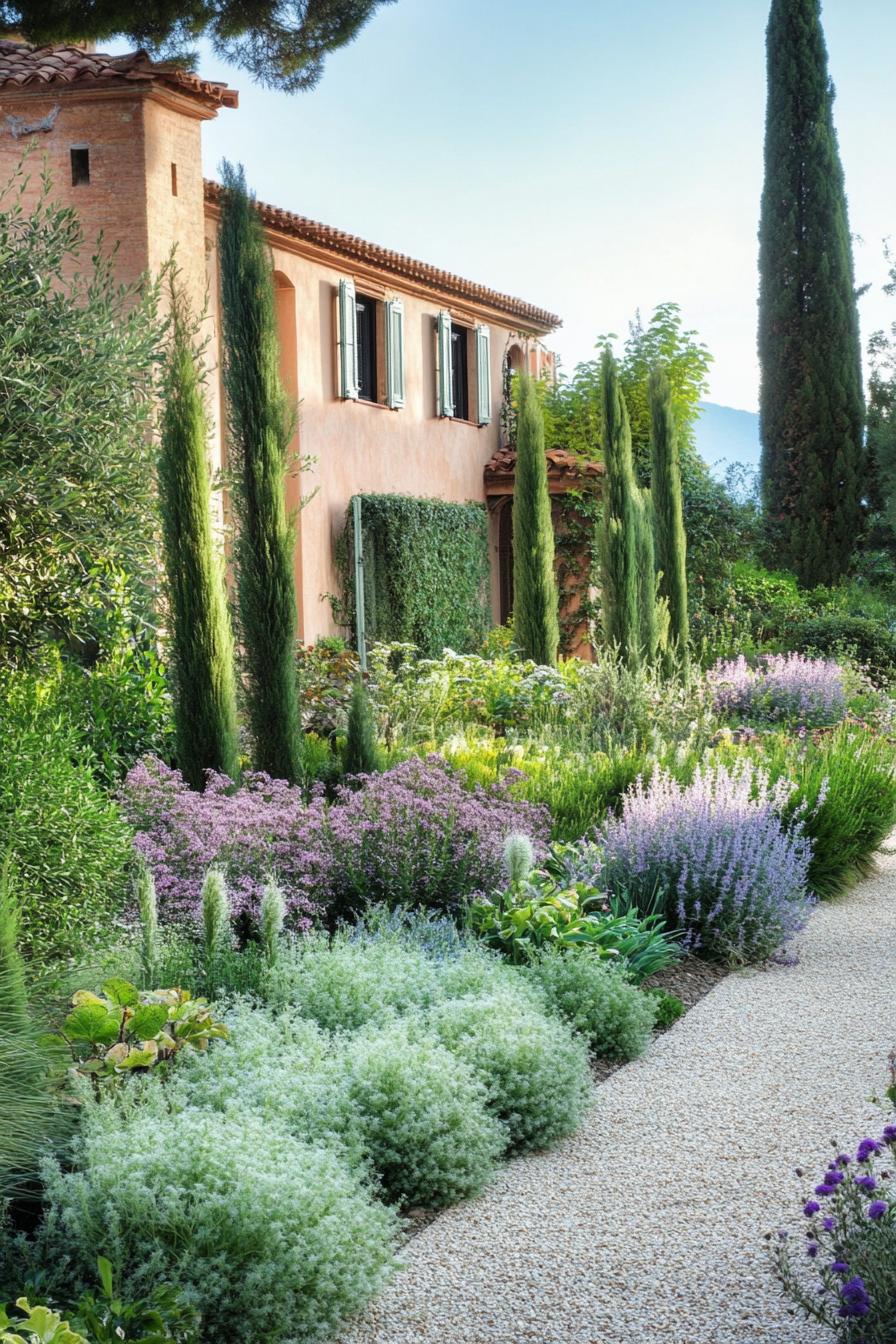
80 157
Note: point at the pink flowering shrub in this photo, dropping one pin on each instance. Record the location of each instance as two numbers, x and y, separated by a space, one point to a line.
413 835
713 857
786 688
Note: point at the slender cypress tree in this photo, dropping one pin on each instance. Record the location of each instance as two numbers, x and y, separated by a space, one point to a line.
201 638
261 425
811 402
362 755
653 621
536 627
619 526
668 515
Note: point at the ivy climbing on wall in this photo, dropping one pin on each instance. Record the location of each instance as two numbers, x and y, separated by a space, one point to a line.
426 572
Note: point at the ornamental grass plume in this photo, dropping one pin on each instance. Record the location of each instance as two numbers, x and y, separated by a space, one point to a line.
273 914
780 688
714 858
215 914
148 914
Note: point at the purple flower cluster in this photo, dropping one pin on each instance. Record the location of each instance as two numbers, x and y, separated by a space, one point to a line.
413 835
779 688
714 856
852 1245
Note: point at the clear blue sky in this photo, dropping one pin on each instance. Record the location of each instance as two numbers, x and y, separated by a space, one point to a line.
592 156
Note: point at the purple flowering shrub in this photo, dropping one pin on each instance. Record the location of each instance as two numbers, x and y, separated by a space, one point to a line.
712 856
843 1273
780 688
413 835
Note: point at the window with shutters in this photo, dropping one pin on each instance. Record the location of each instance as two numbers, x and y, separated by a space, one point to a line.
460 383
463 366
366 328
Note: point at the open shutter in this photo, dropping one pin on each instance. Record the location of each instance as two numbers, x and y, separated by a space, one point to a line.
348 341
394 353
483 375
445 391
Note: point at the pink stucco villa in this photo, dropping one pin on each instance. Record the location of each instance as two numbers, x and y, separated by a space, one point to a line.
399 366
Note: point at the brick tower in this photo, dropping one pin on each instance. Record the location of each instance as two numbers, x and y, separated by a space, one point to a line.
121 137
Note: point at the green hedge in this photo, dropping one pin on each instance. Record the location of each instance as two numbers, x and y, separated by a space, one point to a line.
426 572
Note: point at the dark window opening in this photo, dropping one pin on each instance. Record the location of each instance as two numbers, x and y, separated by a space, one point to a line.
460 391
174 179
80 167
365 309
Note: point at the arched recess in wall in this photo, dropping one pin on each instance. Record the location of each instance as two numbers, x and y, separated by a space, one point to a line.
287 335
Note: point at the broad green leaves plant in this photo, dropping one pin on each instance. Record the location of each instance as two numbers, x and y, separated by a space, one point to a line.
124 1028
548 911
36 1325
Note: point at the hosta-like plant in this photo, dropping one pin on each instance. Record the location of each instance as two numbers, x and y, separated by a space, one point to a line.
124 1028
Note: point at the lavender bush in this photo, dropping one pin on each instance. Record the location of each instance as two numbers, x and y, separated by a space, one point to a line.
413 835
780 688
712 856
843 1273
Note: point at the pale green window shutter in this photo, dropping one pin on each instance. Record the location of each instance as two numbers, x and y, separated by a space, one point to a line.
443 360
484 374
348 341
395 353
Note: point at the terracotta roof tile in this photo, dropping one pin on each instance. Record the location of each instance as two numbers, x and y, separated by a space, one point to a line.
25 66
347 245
564 469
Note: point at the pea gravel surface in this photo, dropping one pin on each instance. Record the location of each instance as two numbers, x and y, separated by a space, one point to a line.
649 1223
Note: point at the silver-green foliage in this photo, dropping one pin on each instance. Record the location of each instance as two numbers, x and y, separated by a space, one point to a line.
535 1071
422 1114
598 1002
273 915
346 984
255 1226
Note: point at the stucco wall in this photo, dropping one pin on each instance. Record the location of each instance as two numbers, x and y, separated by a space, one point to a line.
362 446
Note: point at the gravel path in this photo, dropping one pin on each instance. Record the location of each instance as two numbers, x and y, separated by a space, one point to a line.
648 1224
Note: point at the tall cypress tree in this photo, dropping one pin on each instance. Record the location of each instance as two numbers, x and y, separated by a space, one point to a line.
535 620
668 514
619 526
811 402
653 619
201 638
260 426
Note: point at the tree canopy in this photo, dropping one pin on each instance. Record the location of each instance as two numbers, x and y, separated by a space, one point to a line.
77 362
811 405
282 43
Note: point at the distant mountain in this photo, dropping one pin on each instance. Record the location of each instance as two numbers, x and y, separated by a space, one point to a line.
725 435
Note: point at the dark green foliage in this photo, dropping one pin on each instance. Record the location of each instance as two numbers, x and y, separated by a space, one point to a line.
668 518
32 1116
652 616
882 424
76 364
618 542
813 459
426 572
69 845
201 639
669 1007
362 756
261 425
536 630
869 641
282 46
